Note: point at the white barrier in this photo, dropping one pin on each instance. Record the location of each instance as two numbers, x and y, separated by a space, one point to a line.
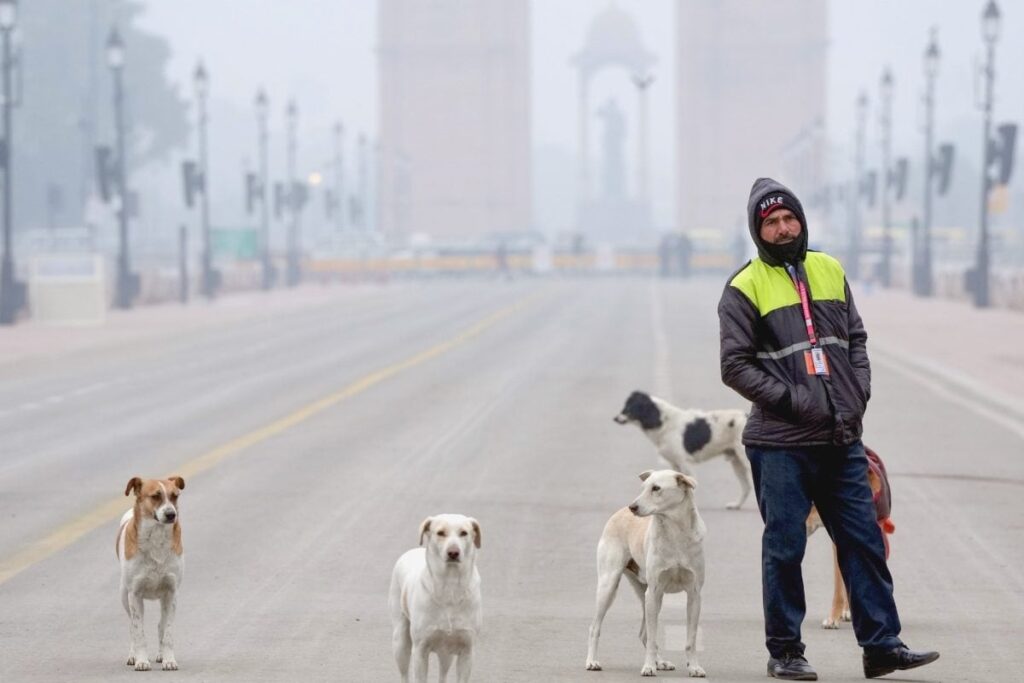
67 289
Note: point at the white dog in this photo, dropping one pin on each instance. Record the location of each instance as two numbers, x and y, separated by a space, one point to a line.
152 564
687 437
658 543
435 599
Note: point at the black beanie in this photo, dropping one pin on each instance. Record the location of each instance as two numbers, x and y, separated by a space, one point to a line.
766 196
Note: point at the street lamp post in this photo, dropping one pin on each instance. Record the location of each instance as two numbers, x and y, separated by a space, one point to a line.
115 59
885 117
923 273
10 292
853 267
262 111
362 190
642 83
201 82
292 116
989 33
339 177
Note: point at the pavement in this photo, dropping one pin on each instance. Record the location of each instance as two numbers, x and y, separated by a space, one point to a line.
30 340
316 428
973 355
976 351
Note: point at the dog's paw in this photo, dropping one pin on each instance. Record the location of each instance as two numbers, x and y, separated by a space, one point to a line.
170 664
593 666
142 665
734 506
695 671
665 665
131 660
846 615
830 623
647 670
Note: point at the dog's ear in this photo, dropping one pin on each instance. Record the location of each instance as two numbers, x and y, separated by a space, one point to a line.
646 473
476 532
645 411
425 528
134 484
686 480
178 481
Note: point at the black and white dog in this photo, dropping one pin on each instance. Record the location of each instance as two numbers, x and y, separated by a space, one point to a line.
686 437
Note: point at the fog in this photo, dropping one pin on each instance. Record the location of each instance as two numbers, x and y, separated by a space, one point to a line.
326 57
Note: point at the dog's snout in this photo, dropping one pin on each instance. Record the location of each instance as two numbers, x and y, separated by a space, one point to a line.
634 508
170 515
453 553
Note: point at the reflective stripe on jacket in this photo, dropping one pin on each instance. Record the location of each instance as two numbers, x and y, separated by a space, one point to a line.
763 340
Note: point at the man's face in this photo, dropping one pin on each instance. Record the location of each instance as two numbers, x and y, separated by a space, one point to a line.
780 227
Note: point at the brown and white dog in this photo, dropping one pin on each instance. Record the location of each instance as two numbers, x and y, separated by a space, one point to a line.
879 482
152 564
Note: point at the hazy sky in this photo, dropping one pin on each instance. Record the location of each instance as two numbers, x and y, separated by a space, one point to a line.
322 53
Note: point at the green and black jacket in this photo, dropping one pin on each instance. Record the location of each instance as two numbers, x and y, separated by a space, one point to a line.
763 339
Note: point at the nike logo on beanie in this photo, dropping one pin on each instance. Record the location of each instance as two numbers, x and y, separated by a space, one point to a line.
769 204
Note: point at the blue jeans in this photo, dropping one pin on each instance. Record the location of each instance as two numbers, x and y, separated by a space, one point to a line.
835 478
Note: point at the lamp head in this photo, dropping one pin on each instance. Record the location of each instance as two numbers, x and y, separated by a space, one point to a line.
990 22
262 104
931 56
115 49
201 80
8 14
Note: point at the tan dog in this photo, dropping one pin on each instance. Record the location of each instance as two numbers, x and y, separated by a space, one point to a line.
877 479
152 564
658 543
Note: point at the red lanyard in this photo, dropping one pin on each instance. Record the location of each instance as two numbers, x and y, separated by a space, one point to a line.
802 291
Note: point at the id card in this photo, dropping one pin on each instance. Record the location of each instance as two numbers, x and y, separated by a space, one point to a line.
816 361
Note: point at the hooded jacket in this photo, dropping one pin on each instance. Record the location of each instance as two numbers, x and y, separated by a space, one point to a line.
764 340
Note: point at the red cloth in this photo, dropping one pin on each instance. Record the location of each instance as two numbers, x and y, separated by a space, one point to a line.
882 497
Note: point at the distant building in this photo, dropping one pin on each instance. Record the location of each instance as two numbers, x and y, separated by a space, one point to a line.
453 155
606 210
750 102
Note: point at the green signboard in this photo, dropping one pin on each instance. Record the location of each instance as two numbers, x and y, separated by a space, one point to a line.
240 244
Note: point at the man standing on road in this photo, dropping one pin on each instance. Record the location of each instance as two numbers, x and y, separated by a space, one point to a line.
793 344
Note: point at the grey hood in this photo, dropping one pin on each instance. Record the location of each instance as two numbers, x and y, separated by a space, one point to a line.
766 189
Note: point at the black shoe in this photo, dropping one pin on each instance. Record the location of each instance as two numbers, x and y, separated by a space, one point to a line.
791 667
880 663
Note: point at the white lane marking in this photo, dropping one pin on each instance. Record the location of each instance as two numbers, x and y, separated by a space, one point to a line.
1006 402
662 371
59 398
1014 425
674 636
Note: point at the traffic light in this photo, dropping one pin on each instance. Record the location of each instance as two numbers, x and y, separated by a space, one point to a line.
298 196
104 172
1001 153
191 181
280 199
942 166
867 187
132 204
898 178
329 204
253 191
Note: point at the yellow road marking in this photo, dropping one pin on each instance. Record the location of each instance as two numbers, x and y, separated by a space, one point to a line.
113 509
